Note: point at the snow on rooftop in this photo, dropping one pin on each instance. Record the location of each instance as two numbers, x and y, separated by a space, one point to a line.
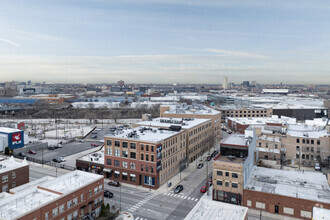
215 210
97 157
235 139
307 131
11 164
185 123
260 121
191 109
321 213
71 181
8 130
300 184
148 134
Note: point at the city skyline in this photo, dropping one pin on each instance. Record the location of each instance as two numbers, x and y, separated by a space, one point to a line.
96 41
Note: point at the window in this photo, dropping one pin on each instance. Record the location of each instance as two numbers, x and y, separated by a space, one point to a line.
117 153
303 156
259 144
303 141
75 214
152 148
117 173
234 175
275 145
147 157
5 188
69 203
46 216
227 173
109 151
4 178
219 173
142 157
234 185
61 208
248 203
109 142
266 144
307 157
55 211
318 150
151 169
132 177
124 164
133 155
152 158
132 166
287 210
117 164
13 185
312 149
297 148
142 146
141 167
227 184
318 142
147 169
312 141
219 182
297 140
82 197
125 144
109 162
147 147
307 149
124 176
260 205
117 143
90 193
13 175
133 145
125 153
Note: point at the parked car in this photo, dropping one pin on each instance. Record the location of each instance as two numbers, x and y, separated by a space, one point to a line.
82 140
94 136
58 146
317 167
32 152
210 181
51 148
61 159
208 158
94 145
113 183
200 166
22 154
203 189
214 153
108 194
56 160
178 189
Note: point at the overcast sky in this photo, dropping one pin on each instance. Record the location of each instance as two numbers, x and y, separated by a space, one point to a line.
165 41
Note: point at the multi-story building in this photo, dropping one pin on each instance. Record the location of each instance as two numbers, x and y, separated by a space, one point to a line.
244 112
144 156
13 174
74 195
195 111
198 133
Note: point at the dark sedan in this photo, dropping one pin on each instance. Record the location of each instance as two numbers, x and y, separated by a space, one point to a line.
108 194
113 183
178 189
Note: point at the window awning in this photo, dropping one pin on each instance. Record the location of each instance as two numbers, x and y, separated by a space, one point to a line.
117 172
124 173
107 170
132 175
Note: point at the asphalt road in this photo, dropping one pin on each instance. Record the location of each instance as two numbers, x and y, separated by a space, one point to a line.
38 171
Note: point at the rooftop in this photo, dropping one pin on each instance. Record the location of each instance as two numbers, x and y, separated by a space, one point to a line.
185 123
266 120
32 196
235 139
209 209
191 109
300 184
307 131
230 159
320 213
9 130
142 133
96 157
11 164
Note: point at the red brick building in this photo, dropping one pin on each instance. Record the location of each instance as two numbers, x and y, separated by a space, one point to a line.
13 173
71 196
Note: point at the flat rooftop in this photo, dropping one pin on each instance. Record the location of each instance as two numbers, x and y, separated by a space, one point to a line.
11 164
307 131
144 133
8 130
262 121
209 209
235 139
32 196
185 123
304 185
191 109
97 157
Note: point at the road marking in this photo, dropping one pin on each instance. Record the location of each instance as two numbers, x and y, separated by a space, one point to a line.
185 197
135 207
196 200
188 197
137 218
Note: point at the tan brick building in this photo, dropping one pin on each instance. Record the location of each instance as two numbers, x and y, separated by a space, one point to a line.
195 111
243 112
198 133
13 174
144 156
71 196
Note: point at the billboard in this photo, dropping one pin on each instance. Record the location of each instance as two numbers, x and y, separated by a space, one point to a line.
16 140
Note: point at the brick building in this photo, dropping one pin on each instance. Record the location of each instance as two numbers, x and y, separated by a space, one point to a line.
13 174
75 195
195 111
243 112
289 193
198 133
144 156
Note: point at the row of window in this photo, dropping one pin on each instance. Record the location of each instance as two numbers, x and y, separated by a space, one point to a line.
5 177
241 116
253 111
233 175
306 141
306 149
195 131
124 176
233 184
266 145
306 156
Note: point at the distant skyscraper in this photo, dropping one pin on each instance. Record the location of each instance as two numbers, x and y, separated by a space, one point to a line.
121 83
225 82
246 83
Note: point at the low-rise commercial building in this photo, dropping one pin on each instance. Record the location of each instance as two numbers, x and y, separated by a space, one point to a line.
144 156
75 195
244 112
13 174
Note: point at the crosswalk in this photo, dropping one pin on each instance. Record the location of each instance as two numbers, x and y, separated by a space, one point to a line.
181 196
138 218
141 203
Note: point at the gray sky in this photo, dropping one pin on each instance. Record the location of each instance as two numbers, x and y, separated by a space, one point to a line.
165 41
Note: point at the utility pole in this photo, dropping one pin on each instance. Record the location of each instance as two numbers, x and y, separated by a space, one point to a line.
120 199
207 177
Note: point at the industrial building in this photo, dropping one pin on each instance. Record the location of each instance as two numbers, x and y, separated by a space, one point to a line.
11 138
